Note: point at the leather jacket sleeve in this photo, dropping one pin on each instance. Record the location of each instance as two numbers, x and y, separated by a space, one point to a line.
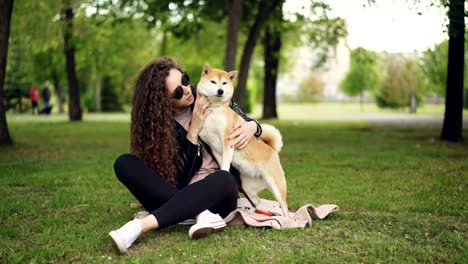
236 109
188 160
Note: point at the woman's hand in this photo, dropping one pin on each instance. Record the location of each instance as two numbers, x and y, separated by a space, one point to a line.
199 115
243 132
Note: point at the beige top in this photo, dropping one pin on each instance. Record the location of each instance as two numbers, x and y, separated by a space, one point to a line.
209 164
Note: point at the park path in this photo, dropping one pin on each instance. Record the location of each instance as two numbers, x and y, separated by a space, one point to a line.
398 120
387 119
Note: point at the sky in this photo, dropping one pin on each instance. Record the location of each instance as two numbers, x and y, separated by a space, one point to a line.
389 25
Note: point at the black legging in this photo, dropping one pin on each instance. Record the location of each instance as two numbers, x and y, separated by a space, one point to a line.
217 192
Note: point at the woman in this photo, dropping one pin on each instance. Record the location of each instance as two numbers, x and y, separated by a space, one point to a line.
171 171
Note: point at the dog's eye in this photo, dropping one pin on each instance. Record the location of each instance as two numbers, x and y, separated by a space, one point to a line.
224 83
213 82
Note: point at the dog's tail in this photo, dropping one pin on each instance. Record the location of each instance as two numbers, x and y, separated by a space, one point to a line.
272 137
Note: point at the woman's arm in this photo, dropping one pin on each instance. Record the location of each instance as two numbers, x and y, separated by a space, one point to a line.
236 109
188 159
243 131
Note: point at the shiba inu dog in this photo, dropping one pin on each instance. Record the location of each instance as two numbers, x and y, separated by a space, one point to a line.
258 163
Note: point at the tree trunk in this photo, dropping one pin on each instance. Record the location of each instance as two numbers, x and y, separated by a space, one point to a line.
413 102
164 43
90 85
272 48
234 8
361 95
20 102
74 106
265 9
98 92
453 118
6 8
58 92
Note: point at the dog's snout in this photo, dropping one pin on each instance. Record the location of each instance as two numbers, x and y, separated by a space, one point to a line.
220 91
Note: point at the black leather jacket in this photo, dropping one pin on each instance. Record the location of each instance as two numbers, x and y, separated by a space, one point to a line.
189 158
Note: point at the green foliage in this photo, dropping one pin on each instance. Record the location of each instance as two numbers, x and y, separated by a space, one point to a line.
32 35
110 99
362 75
107 43
17 99
204 47
310 88
116 49
116 39
402 77
89 103
309 25
255 84
401 194
434 67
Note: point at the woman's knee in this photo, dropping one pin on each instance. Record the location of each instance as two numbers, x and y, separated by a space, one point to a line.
122 165
226 181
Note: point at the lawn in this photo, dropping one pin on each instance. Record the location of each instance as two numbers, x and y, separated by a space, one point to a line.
337 110
402 194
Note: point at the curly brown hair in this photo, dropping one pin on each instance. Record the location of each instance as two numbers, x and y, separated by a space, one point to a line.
152 135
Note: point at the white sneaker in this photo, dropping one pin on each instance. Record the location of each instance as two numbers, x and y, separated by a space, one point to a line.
207 223
124 237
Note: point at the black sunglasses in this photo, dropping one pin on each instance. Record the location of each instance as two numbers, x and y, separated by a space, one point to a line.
179 91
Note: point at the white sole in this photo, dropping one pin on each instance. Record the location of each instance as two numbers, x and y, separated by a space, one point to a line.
204 229
117 242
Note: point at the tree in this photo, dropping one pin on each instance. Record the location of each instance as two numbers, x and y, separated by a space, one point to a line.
401 80
310 88
413 82
74 105
362 75
272 49
264 11
16 84
311 26
453 117
6 8
48 65
434 68
234 9
36 47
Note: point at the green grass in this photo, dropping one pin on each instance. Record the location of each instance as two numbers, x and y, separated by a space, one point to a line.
343 110
402 194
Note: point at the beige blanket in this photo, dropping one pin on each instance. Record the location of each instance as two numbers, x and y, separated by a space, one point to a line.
245 215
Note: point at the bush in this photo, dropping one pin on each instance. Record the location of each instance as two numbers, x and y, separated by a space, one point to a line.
17 99
362 75
402 79
110 101
310 88
89 103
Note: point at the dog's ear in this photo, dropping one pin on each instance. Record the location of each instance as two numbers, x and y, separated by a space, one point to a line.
206 69
233 75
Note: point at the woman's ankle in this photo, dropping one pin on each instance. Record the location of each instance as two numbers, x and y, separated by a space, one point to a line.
148 223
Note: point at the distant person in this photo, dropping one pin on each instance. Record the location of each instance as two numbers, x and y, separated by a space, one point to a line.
34 96
45 94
